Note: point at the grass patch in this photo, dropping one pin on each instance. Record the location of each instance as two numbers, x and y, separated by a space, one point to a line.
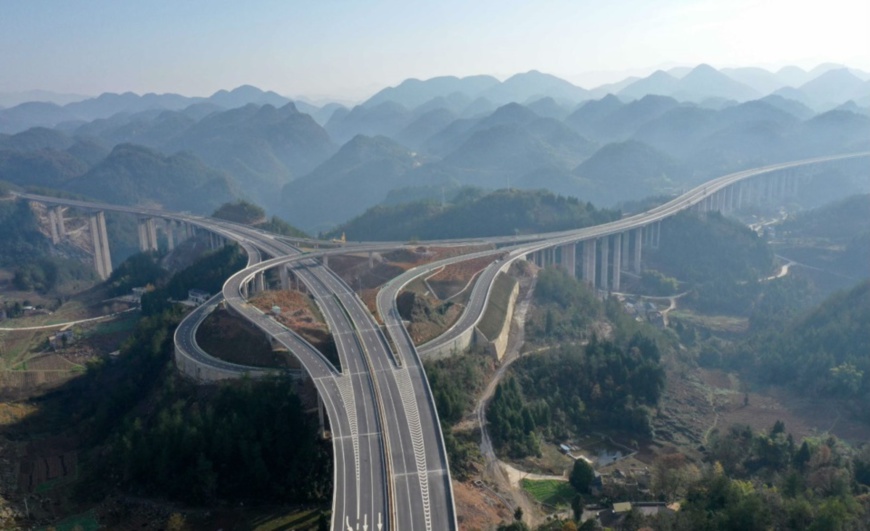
125 323
549 491
716 323
499 299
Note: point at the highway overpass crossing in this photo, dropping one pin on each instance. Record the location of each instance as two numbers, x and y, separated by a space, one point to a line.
391 467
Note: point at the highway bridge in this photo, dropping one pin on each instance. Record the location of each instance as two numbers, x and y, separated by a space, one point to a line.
391 469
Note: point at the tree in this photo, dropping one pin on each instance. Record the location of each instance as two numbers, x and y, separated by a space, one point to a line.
518 514
582 476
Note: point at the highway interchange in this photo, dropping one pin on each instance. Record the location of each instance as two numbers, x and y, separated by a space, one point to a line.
390 463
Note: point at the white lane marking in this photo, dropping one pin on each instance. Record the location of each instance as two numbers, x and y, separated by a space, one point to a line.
345 389
409 400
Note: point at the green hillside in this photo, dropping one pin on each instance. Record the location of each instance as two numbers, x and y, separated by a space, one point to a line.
137 175
500 213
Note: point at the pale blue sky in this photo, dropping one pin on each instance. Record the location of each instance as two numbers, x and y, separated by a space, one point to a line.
349 48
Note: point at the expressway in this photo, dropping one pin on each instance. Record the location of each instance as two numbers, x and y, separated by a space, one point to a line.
390 462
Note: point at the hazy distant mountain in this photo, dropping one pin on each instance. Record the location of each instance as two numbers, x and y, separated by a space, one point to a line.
424 127
793 107
676 131
478 107
325 113
457 132
153 128
455 103
245 95
105 105
629 170
700 83
837 131
549 108
626 119
588 114
385 118
792 76
263 148
42 157
36 138
659 82
611 88
33 114
534 85
358 176
414 92
834 87
761 80
11 99
137 175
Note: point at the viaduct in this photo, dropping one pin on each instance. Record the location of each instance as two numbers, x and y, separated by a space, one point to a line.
391 469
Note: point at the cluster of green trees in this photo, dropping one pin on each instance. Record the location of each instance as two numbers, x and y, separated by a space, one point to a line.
564 308
572 390
247 441
500 213
823 351
455 381
146 429
207 274
248 213
719 257
138 270
767 481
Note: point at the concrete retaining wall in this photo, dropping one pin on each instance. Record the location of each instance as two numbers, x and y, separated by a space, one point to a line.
204 373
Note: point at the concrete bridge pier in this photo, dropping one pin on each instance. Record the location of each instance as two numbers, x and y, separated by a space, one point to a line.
99 237
603 265
616 265
55 220
261 281
147 235
624 264
569 255
285 278
637 235
170 234
589 262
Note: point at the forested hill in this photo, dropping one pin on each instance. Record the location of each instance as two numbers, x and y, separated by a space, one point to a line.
826 351
839 221
500 213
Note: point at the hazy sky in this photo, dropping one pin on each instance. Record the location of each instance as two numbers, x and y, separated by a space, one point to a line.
350 48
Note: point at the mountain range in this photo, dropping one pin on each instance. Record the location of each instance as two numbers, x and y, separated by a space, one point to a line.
320 166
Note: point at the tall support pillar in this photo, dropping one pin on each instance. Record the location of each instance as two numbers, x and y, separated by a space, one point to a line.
147 235
655 234
104 243
638 245
143 236
152 234
170 234
604 270
285 278
261 281
617 260
624 265
52 221
589 262
96 236
569 252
